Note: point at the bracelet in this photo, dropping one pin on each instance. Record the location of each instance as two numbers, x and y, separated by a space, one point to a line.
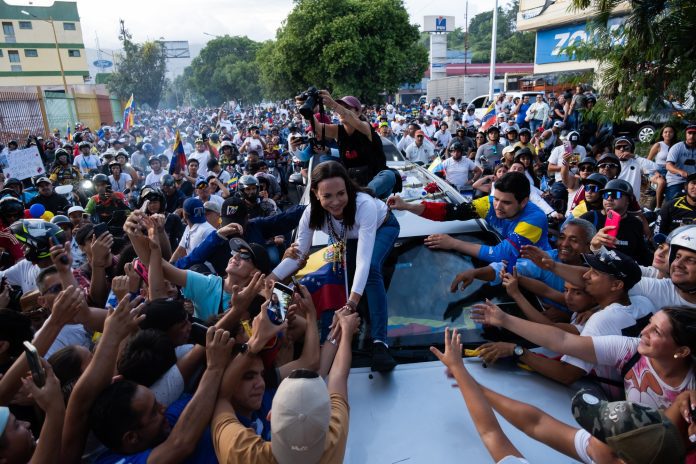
352 304
331 340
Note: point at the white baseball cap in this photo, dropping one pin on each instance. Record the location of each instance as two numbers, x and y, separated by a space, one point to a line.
75 209
300 418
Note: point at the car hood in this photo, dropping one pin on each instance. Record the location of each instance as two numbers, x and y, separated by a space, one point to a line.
413 415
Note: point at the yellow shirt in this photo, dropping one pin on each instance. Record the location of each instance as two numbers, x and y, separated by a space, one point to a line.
234 443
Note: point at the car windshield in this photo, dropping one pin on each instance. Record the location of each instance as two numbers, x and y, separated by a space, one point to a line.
420 302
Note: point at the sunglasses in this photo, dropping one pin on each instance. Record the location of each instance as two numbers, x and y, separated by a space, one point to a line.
586 167
623 148
615 194
592 188
57 288
608 165
243 255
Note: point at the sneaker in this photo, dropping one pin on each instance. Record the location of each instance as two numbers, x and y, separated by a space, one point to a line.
382 361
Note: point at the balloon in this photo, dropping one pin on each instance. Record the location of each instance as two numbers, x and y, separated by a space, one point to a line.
27 214
47 216
37 210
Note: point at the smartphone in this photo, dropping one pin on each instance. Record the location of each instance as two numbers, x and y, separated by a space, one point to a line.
279 303
100 229
568 148
613 219
143 208
141 270
198 332
34 360
296 284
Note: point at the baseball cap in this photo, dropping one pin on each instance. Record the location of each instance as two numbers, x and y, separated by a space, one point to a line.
493 129
558 124
201 182
234 210
351 102
259 255
588 160
691 128
211 206
42 179
522 152
4 418
12 181
419 132
75 209
595 178
193 207
659 239
636 433
384 124
609 158
617 265
691 177
301 415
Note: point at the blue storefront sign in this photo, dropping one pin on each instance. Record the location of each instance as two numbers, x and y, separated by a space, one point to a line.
551 43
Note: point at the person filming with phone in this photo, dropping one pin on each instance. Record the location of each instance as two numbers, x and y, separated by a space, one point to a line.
623 232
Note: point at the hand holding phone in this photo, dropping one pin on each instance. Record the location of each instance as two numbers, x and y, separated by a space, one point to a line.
38 373
281 297
198 332
613 219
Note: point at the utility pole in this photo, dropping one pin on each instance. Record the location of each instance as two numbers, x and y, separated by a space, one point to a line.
494 35
466 35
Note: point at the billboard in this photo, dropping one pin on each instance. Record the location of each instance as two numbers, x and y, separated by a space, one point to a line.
438 23
551 43
176 48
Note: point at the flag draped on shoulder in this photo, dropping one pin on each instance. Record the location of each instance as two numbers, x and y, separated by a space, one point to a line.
488 118
128 114
178 162
325 279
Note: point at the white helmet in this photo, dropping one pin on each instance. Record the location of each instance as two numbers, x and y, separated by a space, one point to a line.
685 238
390 107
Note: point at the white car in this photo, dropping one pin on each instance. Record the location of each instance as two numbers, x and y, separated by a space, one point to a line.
412 414
481 103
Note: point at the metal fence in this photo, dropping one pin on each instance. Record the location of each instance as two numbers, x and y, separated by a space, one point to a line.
28 111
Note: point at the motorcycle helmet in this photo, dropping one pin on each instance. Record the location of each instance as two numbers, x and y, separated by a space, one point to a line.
684 237
154 158
11 209
618 185
100 179
624 140
152 194
525 131
148 148
84 144
36 234
62 152
248 181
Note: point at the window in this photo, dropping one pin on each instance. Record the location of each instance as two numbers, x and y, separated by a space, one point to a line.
13 55
25 25
1 54
8 28
69 26
74 53
16 68
31 53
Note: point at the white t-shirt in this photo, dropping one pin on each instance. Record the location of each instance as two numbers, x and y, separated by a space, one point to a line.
70 334
641 383
421 154
194 235
661 292
369 216
202 161
120 184
169 387
443 138
86 163
632 172
457 171
217 199
155 180
23 274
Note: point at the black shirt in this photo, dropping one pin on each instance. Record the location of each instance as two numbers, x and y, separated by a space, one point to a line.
676 213
363 158
629 239
57 204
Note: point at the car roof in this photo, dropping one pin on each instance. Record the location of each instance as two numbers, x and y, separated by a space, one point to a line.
414 415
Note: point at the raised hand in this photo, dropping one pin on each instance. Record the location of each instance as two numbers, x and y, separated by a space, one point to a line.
67 305
462 280
489 314
49 396
61 257
452 357
101 250
511 282
602 238
440 242
263 330
120 285
241 299
123 320
534 254
218 348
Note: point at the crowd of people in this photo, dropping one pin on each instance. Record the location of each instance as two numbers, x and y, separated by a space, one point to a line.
141 298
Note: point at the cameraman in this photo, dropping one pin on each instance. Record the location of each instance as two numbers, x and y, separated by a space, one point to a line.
360 148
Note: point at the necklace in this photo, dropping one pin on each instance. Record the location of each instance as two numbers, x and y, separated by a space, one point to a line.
338 240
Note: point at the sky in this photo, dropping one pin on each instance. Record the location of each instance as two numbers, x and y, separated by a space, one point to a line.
187 20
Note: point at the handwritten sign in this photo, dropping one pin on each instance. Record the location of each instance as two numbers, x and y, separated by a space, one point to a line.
23 164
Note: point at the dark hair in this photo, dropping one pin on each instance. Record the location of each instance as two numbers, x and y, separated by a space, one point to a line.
674 129
15 328
146 356
683 322
515 183
67 365
328 170
193 160
43 275
111 414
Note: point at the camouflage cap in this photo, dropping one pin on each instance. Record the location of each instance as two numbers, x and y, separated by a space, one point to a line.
637 433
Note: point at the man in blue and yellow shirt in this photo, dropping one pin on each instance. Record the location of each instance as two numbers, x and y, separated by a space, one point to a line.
508 211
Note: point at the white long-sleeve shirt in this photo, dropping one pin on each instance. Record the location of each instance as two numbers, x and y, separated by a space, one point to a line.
369 215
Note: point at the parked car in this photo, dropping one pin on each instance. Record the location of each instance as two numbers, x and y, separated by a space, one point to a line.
642 127
412 414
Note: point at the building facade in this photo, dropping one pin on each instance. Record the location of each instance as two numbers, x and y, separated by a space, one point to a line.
28 54
557 26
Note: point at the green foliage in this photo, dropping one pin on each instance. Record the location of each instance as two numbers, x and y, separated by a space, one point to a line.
357 47
140 72
225 69
651 57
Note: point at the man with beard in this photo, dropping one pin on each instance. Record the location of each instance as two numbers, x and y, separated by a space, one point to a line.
678 212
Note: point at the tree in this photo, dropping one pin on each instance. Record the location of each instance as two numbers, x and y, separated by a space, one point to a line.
358 47
141 71
651 56
512 46
225 69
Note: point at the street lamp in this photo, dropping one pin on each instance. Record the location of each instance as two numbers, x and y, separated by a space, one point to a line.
212 35
55 39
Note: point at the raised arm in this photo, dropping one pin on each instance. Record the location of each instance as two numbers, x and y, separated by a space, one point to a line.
337 381
309 359
547 336
572 274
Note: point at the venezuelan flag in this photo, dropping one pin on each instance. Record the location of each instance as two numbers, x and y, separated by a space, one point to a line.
324 277
178 155
128 114
232 183
436 165
68 134
488 117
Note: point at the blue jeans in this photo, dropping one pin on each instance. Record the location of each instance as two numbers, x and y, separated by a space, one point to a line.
383 183
534 125
673 191
375 292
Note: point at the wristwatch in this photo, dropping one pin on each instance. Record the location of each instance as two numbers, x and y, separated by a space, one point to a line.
244 348
517 352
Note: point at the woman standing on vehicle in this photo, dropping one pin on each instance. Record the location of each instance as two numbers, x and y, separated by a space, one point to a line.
658 365
658 154
341 209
